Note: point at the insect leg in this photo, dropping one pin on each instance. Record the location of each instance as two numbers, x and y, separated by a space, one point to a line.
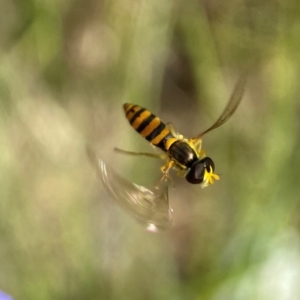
139 153
202 154
198 145
166 168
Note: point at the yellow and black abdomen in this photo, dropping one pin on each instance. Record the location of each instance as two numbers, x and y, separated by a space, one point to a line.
148 125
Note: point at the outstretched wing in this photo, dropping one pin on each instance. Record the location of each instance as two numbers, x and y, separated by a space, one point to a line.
149 206
231 107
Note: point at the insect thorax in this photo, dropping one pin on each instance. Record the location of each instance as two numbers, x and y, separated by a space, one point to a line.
183 153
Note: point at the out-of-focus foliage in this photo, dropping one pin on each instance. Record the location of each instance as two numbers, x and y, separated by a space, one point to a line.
65 69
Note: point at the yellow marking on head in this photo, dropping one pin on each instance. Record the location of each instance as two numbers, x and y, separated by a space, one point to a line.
209 177
152 125
137 122
170 141
159 137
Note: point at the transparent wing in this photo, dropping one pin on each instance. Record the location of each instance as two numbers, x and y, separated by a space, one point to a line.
149 206
231 107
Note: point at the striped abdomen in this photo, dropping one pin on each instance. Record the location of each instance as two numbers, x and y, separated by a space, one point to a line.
147 125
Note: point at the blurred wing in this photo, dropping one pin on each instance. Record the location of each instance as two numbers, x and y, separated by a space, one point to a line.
149 206
231 107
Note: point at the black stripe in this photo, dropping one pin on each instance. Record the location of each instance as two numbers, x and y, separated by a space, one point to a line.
136 115
131 110
162 143
145 123
156 132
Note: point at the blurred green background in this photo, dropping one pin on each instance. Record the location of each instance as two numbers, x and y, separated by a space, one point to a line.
66 67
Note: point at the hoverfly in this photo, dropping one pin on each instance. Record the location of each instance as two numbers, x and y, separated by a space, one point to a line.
184 154
151 206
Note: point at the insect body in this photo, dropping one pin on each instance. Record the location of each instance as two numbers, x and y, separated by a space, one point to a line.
151 206
182 153
148 125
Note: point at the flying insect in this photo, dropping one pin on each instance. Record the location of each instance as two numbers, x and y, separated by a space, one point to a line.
150 206
183 154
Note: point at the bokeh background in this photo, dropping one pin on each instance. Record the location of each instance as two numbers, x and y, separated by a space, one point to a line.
66 67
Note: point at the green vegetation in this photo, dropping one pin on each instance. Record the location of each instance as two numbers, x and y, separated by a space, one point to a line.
66 67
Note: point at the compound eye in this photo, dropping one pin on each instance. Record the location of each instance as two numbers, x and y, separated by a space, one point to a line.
208 162
197 171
